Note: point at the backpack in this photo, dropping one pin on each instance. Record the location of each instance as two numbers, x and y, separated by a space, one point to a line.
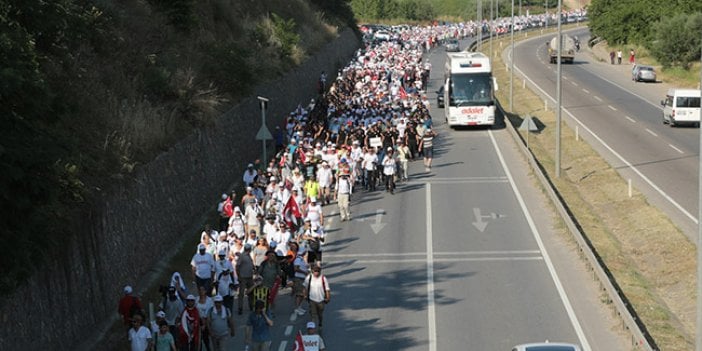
309 285
134 308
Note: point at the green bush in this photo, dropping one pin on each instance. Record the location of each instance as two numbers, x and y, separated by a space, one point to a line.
180 13
676 40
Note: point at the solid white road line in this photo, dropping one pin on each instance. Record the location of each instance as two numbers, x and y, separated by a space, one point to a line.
621 158
651 132
431 308
612 107
547 259
676 149
439 259
630 119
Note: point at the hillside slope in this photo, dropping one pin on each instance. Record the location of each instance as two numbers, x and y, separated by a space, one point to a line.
92 90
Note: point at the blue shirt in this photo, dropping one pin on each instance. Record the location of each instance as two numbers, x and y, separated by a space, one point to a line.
260 330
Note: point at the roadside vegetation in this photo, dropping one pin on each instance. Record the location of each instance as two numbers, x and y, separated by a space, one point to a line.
662 33
90 90
649 258
416 11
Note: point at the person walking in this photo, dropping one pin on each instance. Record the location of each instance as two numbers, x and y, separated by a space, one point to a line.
611 57
258 329
139 335
318 294
403 153
632 57
389 167
129 305
220 322
245 273
301 269
189 330
203 268
163 339
343 191
427 147
313 339
619 56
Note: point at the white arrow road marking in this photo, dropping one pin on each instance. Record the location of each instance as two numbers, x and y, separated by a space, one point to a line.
479 224
378 226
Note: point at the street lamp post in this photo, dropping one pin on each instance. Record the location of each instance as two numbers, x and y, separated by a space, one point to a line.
480 24
558 93
511 69
492 3
263 133
698 336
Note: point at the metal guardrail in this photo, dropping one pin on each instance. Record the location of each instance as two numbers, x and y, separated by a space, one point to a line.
640 338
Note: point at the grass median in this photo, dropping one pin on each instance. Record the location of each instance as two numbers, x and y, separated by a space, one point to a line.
651 260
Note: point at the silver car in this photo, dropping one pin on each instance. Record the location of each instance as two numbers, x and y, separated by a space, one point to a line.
547 346
641 73
452 45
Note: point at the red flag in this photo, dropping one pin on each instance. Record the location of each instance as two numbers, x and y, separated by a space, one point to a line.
303 157
227 209
298 345
403 93
291 211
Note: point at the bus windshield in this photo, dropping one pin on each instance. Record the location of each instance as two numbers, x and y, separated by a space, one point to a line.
473 89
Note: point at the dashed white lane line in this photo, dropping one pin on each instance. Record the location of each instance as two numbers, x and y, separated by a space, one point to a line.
651 132
676 149
288 330
283 346
431 307
630 119
597 98
586 91
612 107
574 83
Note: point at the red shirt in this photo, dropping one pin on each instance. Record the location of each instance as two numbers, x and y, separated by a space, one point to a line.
125 306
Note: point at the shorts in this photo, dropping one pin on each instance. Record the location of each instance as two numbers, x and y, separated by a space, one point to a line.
428 152
298 286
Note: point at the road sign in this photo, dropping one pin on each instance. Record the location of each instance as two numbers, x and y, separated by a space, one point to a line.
264 134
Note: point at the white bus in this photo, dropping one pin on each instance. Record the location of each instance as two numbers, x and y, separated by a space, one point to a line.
469 90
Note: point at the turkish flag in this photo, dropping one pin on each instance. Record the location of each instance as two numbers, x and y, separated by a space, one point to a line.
228 210
291 212
403 93
303 157
297 344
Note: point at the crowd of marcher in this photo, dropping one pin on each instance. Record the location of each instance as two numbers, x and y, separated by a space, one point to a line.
368 123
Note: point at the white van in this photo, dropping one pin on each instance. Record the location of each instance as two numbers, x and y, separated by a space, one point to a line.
681 106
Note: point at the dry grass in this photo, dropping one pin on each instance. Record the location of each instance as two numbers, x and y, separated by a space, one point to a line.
649 257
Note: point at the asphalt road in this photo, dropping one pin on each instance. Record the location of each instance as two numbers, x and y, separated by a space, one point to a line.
623 121
461 258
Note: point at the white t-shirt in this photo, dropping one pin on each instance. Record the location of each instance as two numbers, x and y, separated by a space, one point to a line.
324 175
388 165
139 339
314 213
204 265
316 288
204 308
368 160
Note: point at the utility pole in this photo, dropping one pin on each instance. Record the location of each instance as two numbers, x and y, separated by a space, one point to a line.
263 133
492 6
698 336
480 24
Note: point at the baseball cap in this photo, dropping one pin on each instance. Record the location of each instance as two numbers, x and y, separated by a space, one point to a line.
201 247
250 165
161 314
224 196
222 253
190 297
218 298
247 247
313 199
127 289
311 325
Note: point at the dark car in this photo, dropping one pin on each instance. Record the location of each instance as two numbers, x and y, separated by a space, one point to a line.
452 45
440 97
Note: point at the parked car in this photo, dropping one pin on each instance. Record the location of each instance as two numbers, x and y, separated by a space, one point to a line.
452 45
440 97
641 73
546 346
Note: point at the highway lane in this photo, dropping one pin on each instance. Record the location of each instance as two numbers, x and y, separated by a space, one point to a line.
455 263
627 118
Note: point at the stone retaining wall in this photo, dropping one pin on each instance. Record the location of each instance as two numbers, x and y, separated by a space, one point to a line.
124 236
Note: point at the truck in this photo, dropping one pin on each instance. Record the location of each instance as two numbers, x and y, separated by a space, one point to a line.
568 49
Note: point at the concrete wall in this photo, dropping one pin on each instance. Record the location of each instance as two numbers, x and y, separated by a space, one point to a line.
136 225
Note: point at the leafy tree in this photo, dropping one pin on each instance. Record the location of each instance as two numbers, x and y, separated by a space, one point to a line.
676 40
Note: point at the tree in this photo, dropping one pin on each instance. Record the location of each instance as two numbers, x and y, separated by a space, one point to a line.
677 40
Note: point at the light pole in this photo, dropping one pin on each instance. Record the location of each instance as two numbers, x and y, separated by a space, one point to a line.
263 133
558 92
511 69
480 24
492 3
698 336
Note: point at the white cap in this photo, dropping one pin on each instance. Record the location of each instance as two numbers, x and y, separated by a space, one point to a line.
127 289
218 298
190 297
161 314
224 196
313 199
311 325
